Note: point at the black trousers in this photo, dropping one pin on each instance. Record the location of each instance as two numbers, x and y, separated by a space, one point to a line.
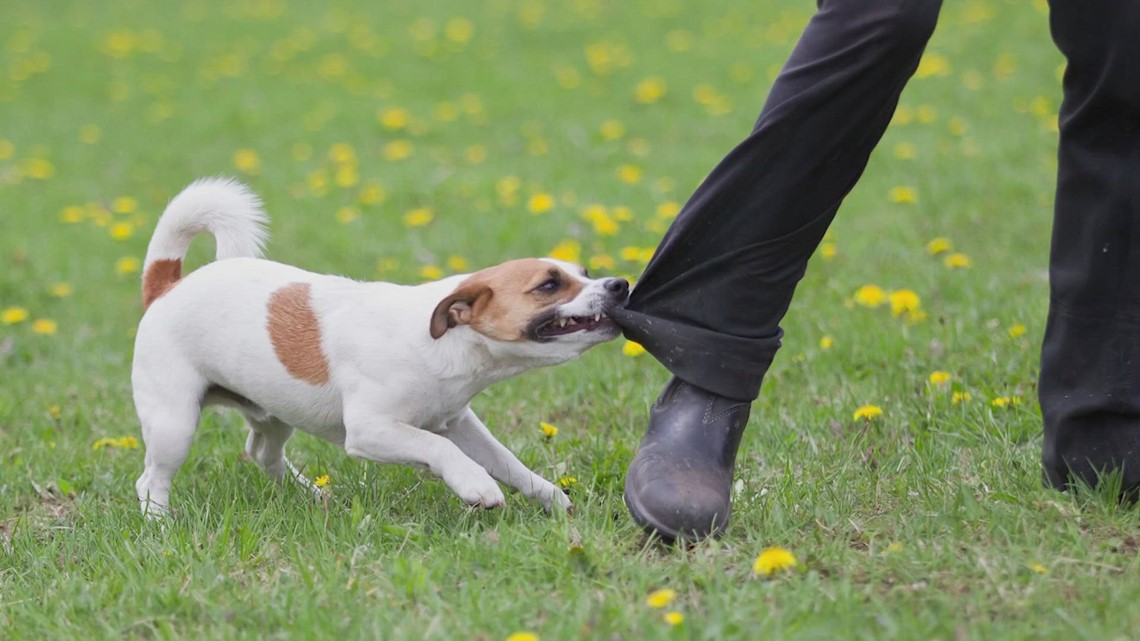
710 302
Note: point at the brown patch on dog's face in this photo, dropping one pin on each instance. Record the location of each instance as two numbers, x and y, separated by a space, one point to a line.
502 302
160 276
296 334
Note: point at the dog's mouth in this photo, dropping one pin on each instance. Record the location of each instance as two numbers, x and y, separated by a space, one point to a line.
564 325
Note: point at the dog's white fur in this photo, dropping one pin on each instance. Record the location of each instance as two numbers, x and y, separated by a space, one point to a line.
393 393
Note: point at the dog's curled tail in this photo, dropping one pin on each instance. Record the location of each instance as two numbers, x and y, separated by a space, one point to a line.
221 207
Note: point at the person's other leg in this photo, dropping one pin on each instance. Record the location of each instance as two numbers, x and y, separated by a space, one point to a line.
1090 360
709 303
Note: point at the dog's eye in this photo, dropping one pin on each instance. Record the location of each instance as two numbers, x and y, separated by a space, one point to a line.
547 287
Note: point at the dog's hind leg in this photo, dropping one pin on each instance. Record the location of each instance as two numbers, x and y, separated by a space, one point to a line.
168 401
266 446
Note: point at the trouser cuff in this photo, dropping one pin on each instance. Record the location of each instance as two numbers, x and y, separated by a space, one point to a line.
730 366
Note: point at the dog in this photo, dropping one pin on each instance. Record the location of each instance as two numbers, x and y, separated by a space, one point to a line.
385 371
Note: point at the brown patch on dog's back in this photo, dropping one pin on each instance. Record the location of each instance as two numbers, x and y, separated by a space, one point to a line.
160 276
296 334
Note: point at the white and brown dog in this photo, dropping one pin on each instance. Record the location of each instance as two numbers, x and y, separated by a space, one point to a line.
386 371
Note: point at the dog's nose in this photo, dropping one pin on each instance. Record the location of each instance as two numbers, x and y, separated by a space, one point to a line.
617 286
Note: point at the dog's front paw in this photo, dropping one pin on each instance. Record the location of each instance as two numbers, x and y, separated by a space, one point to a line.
479 492
560 501
557 500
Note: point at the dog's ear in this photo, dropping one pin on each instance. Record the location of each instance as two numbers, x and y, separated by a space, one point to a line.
459 307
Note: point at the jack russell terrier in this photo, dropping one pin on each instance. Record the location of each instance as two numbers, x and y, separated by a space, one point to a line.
386 371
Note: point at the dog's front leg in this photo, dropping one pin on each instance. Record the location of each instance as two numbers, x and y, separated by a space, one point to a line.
383 439
476 441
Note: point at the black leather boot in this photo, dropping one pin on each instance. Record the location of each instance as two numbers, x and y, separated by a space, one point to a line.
679 485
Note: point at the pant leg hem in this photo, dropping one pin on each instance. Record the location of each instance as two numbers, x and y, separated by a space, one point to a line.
730 366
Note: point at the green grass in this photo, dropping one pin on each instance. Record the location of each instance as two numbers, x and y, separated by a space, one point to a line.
928 522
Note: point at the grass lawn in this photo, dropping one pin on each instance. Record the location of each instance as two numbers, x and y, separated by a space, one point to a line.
403 141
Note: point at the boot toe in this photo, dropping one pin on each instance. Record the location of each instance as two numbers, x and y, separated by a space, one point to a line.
689 502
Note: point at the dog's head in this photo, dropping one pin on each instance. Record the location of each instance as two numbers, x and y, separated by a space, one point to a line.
543 307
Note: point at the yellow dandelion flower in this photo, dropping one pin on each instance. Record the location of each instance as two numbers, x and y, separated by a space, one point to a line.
870 296
622 213
650 90
13 315
372 194
612 130
1016 330
346 215
346 176
548 430
321 481
247 161
960 397
638 147
540 203
903 194
568 250
124 205
938 246
905 151
674 618
431 272
38 168
90 134
457 263
668 209
772 560
629 174
394 118
446 111
602 261
826 342
828 251
7 149
904 301
568 77
419 217
660 598
925 114
44 326
567 482
1005 401
932 64
894 547
397 150
940 378
60 290
868 412
122 442
632 349
55 412
1038 568
458 30
72 214
475 154
957 260
121 230
522 636
127 265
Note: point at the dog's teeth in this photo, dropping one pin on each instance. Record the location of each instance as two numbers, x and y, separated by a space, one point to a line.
561 322
572 321
597 317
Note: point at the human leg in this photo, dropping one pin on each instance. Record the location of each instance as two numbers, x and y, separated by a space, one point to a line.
1089 385
709 303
